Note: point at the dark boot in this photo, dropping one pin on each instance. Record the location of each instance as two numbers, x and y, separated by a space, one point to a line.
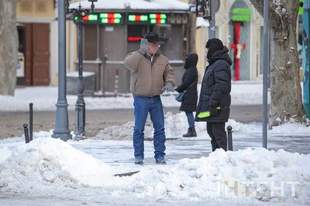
214 145
138 161
191 132
194 133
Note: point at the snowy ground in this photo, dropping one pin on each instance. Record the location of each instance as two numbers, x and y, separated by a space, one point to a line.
176 125
44 98
49 171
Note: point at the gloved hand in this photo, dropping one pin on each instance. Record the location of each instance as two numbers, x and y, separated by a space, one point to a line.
144 45
215 110
168 87
203 115
212 112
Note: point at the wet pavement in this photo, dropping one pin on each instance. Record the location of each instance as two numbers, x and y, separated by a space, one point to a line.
11 123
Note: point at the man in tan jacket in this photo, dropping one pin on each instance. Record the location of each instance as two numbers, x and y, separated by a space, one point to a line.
151 75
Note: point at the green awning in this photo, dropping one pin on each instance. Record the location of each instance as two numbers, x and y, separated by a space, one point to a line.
241 14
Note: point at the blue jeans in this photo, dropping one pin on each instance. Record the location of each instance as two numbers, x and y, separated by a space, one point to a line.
190 119
143 106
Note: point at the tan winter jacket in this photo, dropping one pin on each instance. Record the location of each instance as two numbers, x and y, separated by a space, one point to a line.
148 76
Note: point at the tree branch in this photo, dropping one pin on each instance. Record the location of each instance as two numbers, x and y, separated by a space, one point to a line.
278 11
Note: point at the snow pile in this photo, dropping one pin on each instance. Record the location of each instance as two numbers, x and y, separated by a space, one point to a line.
251 173
288 130
15 141
49 161
5 154
49 167
291 129
176 125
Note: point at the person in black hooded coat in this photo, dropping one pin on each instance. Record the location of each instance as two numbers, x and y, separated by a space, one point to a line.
189 85
214 101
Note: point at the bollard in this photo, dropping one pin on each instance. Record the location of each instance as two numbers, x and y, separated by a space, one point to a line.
26 132
116 82
30 121
229 139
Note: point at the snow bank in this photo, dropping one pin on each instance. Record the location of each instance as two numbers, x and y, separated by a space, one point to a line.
251 173
176 125
49 161
48 166
5 154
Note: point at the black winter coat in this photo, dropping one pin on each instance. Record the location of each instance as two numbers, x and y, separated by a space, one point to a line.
216 88
189 83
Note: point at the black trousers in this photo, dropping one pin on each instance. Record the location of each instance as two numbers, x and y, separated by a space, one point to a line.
218 135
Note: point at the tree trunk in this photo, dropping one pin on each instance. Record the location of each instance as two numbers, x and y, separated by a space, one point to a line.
8 47
286 99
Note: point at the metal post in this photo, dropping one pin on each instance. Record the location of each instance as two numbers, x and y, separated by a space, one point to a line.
26 133
229 139
266 65
31 121
80 103
62 123
116 82
212 27
99 62
98 42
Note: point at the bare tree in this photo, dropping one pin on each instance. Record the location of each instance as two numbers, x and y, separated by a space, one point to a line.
286 98
8 47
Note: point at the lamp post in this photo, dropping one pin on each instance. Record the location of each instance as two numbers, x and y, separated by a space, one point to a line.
78 14
62 123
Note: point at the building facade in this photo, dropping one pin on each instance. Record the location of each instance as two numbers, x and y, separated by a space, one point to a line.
38 43
34 20
38 37
115 28
240 27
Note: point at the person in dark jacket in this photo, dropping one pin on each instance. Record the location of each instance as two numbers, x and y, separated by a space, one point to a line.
214 101
189 85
